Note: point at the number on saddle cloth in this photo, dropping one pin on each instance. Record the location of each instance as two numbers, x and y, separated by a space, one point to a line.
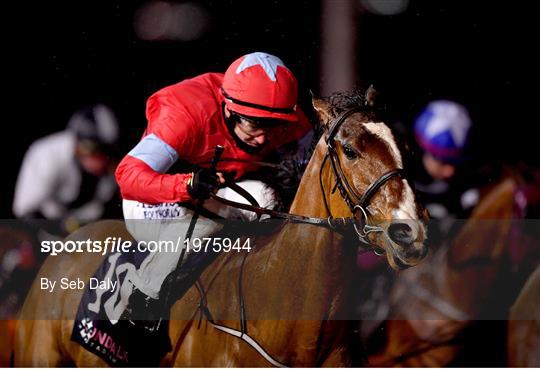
97 327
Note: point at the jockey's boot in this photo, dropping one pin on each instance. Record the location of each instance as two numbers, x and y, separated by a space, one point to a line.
143 311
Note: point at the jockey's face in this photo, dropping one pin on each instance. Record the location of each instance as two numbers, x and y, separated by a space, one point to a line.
252 134
91 158
438 169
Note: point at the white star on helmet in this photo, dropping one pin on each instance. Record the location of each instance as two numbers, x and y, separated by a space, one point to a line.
449 117
268 62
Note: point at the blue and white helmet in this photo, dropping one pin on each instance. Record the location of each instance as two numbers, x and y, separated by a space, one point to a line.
442 130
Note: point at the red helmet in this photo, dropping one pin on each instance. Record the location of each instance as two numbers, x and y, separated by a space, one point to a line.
260 85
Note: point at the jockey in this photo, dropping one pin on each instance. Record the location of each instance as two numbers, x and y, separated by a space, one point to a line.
250 111
442 131
68 176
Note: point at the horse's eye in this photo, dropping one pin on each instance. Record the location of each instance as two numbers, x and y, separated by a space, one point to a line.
349 152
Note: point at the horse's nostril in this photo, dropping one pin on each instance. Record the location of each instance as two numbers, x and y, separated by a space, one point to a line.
401 233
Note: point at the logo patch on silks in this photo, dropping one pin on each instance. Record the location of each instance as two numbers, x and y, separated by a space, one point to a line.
98 327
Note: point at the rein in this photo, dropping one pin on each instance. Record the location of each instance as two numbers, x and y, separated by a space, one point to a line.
330 222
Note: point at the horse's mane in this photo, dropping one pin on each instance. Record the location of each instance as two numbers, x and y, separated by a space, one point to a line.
339 102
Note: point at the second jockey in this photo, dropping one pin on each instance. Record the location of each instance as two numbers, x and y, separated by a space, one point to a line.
250 111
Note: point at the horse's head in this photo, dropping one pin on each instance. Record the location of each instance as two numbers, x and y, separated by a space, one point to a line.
365 163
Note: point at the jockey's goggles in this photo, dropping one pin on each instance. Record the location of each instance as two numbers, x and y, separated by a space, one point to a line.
264 123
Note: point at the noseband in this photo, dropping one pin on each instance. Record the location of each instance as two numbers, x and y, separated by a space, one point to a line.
356 203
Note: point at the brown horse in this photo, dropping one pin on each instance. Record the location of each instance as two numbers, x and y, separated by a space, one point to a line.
434 304
295 284
524 326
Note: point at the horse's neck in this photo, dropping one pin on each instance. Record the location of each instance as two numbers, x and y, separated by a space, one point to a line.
323 263
309 199
308 269
474 257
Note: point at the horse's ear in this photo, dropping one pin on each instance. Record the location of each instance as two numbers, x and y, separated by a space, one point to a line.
323 110
371 96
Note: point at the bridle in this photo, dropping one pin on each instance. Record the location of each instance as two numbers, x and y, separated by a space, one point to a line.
356 203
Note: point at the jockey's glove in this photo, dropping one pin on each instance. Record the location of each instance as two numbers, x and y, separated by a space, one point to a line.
202 183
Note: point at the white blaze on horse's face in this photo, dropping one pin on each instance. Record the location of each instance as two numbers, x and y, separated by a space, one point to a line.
407 207
406 212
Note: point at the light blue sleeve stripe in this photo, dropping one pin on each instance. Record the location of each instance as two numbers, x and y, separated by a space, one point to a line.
155 152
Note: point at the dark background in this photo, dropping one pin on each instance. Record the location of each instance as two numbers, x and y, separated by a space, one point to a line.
62 56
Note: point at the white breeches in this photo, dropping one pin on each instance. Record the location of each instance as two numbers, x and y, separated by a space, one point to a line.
170 222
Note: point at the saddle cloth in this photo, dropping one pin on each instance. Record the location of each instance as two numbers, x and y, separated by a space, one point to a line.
119 344
97 326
